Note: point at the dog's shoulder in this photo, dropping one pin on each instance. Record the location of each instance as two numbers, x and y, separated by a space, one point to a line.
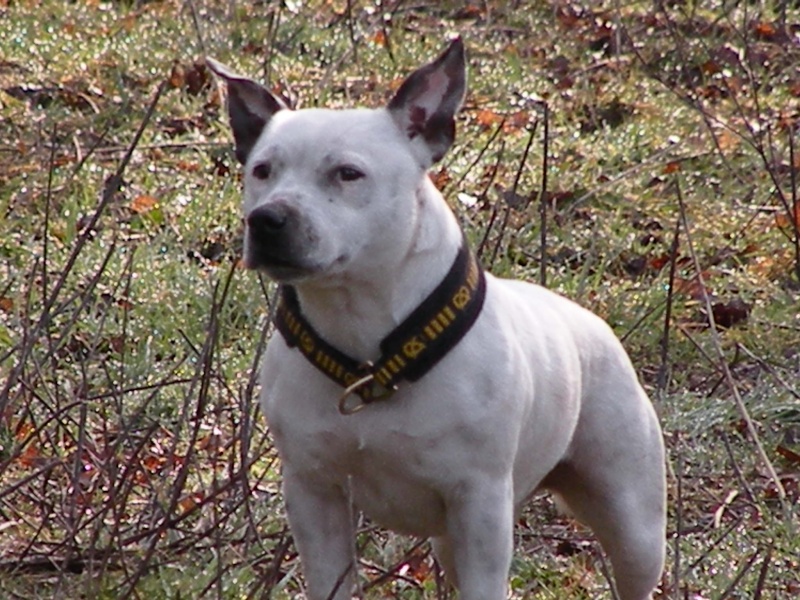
533 309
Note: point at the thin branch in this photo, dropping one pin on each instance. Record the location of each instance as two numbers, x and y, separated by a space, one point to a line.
110 188
543 200
723 364
513 196
676 545
663 370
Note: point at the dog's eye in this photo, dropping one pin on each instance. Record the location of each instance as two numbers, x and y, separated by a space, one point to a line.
262 171
348 174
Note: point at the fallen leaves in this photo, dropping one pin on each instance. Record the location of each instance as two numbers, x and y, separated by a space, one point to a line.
190 502
143 203
604 114
733 312
580 67
792 457
192 78
511 122
790 218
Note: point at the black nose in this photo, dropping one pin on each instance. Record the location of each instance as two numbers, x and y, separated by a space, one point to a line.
266 220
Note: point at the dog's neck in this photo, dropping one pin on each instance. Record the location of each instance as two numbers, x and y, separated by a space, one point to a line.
356 311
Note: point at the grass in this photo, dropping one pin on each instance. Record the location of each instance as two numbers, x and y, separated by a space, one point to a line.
133 460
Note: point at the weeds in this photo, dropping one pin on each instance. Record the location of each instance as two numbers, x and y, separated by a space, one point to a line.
133 459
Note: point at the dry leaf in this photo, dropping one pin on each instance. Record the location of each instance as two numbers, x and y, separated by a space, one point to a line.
441 178
728 314
153 463
728 140
659 262
783 220
187 166
788 454
212 442
765 30
488 118
470 11
379 39
177 75
691 287
516 121
23 430
190 502
143 204
29 456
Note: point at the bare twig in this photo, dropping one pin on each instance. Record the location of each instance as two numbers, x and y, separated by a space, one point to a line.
762 573
735 466
351 28
47 205
543 200
728 591
340 580
112 185
390 573
709 548
198 31
479 157
771 370
375 23
202 379
676 543
794 210
273 21
723 364
607 575
484 194
513 196
662 379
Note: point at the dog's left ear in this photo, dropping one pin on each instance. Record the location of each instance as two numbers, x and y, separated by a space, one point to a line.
250 107
427 101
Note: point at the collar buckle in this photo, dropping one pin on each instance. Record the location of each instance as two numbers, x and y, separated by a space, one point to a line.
363 391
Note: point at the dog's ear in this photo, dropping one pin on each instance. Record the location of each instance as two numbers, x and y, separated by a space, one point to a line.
425 105
250 107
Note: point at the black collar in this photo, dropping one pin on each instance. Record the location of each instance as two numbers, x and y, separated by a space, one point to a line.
409 351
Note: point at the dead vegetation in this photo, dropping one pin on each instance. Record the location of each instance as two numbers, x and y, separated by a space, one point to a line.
641 159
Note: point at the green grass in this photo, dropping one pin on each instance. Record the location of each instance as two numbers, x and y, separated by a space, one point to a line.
133 460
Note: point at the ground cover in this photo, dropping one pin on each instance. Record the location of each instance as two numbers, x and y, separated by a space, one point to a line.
639 158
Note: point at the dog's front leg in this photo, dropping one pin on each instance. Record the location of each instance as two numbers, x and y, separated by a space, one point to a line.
321 518
479 541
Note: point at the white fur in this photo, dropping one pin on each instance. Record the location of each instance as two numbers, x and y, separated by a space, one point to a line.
539 393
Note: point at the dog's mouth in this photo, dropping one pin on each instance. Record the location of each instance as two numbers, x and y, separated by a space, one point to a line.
278 267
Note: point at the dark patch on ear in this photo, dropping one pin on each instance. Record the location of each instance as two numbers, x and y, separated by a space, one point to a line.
416 118
440 134
428 99
250 107
246 125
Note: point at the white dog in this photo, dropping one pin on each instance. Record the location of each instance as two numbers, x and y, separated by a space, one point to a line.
408 384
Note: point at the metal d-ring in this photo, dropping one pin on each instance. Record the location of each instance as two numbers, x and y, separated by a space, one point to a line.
347 409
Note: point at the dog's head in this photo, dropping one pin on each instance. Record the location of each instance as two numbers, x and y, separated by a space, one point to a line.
328 191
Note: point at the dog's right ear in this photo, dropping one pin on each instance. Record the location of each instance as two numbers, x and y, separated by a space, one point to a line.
425 105
250 107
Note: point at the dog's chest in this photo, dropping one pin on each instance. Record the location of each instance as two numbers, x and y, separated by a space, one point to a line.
393 476
395 486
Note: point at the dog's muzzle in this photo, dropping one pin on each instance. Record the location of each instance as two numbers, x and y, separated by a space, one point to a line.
273 242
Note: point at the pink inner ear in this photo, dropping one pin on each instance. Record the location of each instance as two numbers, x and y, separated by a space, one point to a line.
437 85
426 102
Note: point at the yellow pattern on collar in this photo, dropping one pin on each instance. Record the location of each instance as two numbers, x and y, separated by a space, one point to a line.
409 351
